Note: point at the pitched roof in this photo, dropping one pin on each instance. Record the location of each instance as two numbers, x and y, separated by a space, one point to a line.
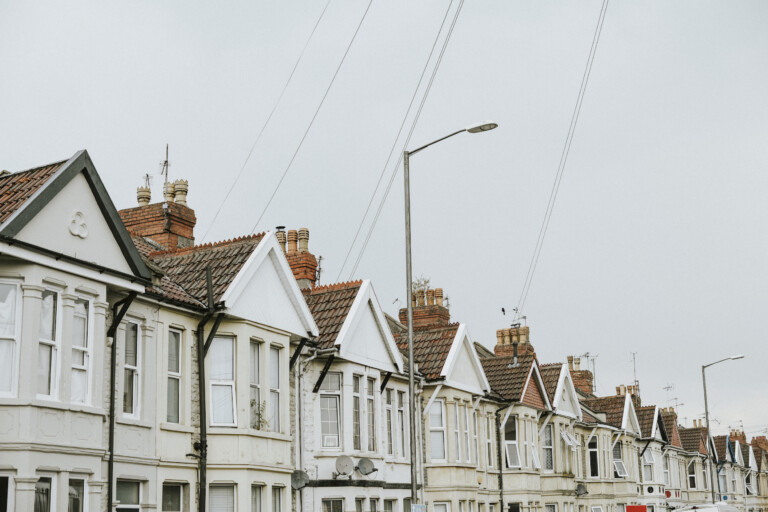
692 439
186 267
505 381
669 418
431 346
147 246
550 374
587 417
645 417
17 187
721 446
330 305
611 406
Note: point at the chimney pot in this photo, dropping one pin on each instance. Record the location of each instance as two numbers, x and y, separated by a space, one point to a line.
430 297
181 187
303 240
169 192
618 390
577 363
622 390
439 296
143 195
280 235
421 297
292 238
413 299
570 363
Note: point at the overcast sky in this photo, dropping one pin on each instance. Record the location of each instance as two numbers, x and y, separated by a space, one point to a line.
657 244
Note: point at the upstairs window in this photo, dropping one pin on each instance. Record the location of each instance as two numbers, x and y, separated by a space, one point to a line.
619 469
594 458
274 388
511 443
81 351
76 496
9 335
548 448
221 358
48 345
257 411
489 434
456 435
437 431
748 487
475 438
131 364
648 462
356 443
401 421
465 431
43 494
222 498
371 415
129 495
172 498
173 402
692 474
330 407
388 412
665 469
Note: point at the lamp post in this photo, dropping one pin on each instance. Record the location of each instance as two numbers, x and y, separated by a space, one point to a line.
706 417
477 128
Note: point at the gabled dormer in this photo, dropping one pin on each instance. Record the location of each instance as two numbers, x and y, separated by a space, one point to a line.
562 393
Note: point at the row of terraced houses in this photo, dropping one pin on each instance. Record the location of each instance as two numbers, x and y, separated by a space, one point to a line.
141 372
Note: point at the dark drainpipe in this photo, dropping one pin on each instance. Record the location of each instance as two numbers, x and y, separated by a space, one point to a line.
499 458
119 309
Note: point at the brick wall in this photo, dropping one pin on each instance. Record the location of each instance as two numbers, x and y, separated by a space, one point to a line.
172 227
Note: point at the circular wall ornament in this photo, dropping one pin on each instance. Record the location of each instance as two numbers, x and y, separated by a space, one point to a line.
77 225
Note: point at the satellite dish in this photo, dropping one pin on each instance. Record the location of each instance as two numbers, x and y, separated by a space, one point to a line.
365 466
299 479
344 465
581 490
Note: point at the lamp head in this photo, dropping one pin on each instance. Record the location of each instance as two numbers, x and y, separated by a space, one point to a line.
482 127
740 356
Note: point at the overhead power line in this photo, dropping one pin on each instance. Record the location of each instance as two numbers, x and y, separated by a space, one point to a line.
266 122
563 160
408 139
394 142
314 116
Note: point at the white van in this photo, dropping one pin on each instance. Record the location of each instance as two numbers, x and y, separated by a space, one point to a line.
709 507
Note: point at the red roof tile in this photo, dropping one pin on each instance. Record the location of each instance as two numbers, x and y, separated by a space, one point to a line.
669 417
611 406
16 188
330 305
505 379
693 439
550 374
186 267
721 445
587 417
645 417
430 347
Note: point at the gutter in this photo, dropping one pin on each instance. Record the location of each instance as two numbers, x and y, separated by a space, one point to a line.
117 317
499 461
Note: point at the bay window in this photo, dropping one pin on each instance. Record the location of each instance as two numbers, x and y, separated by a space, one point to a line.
648 461
665 469
437 447
48 345
692 474
131 365
81 351
256 498
511 443
330 405
222 382
173 402
44 492
465 431
456 435
277 499
489 440
274 388
10 307
476 438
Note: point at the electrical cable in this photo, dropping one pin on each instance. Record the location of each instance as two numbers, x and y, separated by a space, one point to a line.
410 133
394 142
561 166
269 117
312 121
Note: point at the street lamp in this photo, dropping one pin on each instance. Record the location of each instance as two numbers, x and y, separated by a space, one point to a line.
476 128
706 416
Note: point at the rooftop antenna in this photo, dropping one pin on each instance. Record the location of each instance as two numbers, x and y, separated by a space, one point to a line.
147 180
591 362
669 387
165 164
634 369
319 270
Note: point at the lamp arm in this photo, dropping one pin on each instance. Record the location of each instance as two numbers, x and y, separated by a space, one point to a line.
435 141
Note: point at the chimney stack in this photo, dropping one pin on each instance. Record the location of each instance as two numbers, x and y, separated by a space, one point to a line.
280 235
292 239
428 309
303 240
180 187
143 195
303 263
439 296
516 336
582 379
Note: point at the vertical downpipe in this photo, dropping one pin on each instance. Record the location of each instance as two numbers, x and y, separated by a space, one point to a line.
499 459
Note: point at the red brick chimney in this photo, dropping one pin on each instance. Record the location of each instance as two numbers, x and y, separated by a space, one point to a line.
760 442
511 339
583 380
428 309
170 223
303 263
738 435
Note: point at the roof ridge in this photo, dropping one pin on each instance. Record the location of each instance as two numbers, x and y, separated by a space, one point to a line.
175 251
35 168
335 286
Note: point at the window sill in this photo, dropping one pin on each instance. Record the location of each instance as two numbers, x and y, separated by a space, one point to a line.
134 422
230 431
176 427
52 404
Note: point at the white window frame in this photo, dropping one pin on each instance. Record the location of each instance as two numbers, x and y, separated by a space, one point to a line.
14 339
84 480
465 431
275 389
180 487
438 429
596 450
476 438
489 422
230 383
649 461
254 389
54 365
665 469
54 490
457 431
259 501
87 351
690 472
233 487
618 462
327 392
749 488
332 501
388 420
130 507
370 414
175 375
441 506
277 498
548 447
403 437
512 443
11 489
596 508
357 413
136 405
550 507
535 460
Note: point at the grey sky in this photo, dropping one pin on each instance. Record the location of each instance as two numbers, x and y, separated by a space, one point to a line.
657 243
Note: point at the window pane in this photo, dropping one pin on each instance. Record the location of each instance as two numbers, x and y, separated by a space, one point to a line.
222 405
79 385
436 415
256 498
6 364
48 316
221 357
127 492
127 391
174 349
171 498
356 422
80 334
43 495
331 382
44 360
277 499
329 420
222 498
255 407
76 496
274 368
274 411
131 344
437 445
173 400
4 489
255 363
7 310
